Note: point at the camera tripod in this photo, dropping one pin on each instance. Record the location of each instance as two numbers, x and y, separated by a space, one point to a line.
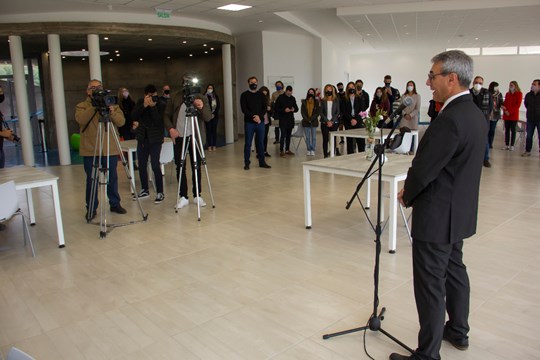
195 141
374 322
100 173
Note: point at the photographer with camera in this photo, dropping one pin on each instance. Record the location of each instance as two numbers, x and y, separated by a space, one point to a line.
189 101
148 124
97 107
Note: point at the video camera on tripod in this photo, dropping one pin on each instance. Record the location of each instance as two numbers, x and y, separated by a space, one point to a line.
190 90
101 100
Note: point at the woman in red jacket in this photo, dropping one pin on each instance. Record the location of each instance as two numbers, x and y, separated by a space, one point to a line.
510 108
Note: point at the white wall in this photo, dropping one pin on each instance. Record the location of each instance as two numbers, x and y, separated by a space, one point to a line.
297 55
249 62
335 64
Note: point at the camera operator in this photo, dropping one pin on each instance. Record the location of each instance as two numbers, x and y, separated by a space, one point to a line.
174 120
88 118
4 133
148 124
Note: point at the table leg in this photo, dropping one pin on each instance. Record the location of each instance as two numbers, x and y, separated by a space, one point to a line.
58 215
30 203
368 193
332 145
416 139
392 231
307 199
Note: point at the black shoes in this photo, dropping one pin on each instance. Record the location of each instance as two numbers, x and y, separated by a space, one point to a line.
265 165
460 344
487 163
90 215
118 209
396 356
246 167
267 154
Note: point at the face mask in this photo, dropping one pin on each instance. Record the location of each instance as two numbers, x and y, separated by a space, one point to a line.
477 87
253 86
126 94
512 89
167 92
496 89
352 91
310 95
379 95
387 84
209 91
279 88
358 88
328 93
410 88
534 88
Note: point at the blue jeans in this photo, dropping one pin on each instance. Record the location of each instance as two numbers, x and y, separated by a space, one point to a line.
251 129
145 150
530 133
491 134
112 184
311 137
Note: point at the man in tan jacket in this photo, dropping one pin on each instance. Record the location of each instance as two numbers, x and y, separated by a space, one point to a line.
88 118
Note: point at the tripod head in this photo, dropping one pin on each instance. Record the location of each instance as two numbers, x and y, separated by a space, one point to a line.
101 101
190 90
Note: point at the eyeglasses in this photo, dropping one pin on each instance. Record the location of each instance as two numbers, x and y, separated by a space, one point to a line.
95 87
432 77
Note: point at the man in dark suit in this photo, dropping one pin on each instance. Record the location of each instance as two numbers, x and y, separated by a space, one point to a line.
442 186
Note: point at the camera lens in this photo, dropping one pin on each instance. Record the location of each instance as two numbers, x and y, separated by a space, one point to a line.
155 98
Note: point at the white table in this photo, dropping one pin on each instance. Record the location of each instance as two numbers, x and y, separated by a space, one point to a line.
27 178
362 134
130 146
356 165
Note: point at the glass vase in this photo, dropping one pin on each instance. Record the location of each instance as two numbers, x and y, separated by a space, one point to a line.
370 148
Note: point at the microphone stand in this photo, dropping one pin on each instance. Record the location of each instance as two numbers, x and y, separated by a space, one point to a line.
374 322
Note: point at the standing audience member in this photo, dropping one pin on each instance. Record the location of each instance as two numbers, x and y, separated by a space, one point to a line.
393 95
362 95
380 102
149 133
342 97
311 109
285 108
254 106
496 113
126 104
350 115
532 103
4 134
175 121
411 112
483 99
280 89
329 116
211 126
442 186
510 108
267 119
88 118
434 108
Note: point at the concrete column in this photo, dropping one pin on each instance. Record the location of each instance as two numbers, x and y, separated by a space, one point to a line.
17 61
93 57
59 101
227 92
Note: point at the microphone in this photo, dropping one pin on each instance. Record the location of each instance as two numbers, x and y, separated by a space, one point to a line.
406 102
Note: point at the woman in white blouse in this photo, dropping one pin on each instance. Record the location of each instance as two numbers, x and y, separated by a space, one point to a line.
329 115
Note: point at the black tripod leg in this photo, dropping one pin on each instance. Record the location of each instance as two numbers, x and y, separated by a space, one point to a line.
345 332
396 341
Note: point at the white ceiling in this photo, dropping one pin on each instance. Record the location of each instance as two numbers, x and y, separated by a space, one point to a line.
359 25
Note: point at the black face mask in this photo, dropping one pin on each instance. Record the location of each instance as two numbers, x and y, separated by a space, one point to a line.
328 93
352 91
310 95
340 90
167 92
253 86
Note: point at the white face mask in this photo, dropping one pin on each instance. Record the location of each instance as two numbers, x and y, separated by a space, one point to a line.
379 95
126 94
477 87
496 88
209 91
410 88
512 89
534 88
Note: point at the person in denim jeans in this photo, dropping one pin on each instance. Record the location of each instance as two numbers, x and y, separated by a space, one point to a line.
310 109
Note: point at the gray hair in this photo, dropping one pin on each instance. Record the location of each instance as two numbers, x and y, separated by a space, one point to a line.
457 62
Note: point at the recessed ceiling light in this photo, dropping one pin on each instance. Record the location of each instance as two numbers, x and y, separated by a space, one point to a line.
105 38
475 38
63 57
168 57
110 59
83 49
234 7
204 45
190 55
211 48
117 51
260 21
83 59
141 59
206 52
184 42
149 39
117 54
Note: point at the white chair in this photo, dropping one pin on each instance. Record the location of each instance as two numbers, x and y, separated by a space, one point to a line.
9 206
298 133
406 143
16 354
166 156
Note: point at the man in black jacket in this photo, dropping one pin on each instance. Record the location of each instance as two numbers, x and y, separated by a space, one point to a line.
286 107
442 186
532 103
147 118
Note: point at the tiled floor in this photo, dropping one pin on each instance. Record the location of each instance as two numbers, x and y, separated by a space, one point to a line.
249 281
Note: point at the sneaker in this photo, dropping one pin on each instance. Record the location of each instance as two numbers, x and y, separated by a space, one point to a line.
505 147
159 198
201 201
141 195
526 153
511 148
182 203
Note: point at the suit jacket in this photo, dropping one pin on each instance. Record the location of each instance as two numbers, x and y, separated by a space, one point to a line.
443 182
346 112
334 111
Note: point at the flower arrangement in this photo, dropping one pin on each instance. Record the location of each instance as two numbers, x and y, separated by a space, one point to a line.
371 122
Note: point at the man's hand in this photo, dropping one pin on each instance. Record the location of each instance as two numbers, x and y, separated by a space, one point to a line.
111 109
257 119
174 134
287 110
400 197
329 124
408 117
389 90
135 125
148 101
354 122
7 133
198 103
